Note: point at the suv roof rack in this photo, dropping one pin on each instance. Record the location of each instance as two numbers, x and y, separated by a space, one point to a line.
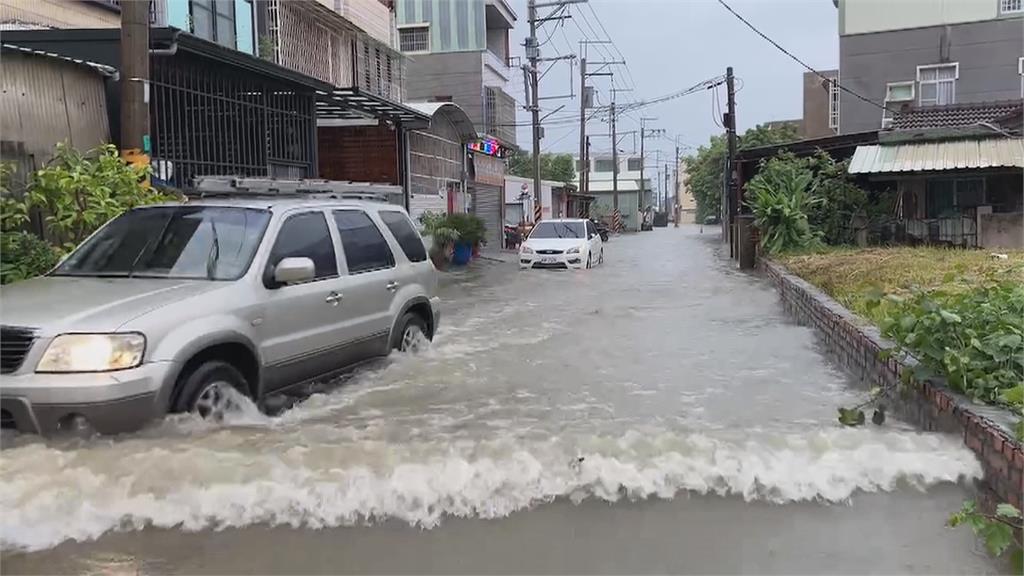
213 186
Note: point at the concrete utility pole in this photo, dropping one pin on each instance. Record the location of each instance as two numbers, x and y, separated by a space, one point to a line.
615 161
643 161
583 117
730 175
533 55
678 201
135 80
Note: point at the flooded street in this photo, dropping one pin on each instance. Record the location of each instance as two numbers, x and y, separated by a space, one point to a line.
657 414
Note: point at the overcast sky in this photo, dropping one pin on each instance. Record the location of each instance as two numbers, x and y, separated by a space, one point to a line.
670 45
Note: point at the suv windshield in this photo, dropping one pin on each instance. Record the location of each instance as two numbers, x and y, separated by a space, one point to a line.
551 229
210 242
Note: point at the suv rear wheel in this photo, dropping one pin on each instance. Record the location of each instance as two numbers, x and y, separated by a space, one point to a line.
412 333
210 390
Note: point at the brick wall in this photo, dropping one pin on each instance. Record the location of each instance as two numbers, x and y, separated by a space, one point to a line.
857 346
358 153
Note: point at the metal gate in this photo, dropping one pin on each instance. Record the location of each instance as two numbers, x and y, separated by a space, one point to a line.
487 206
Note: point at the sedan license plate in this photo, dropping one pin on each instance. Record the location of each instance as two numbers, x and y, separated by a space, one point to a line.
548 260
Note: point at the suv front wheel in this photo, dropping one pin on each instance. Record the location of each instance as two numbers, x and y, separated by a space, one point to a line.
210 390
412 333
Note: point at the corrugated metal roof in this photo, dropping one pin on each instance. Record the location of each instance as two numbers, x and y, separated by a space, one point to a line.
937 156
102 69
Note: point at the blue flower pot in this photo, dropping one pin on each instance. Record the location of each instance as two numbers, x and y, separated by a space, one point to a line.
462 254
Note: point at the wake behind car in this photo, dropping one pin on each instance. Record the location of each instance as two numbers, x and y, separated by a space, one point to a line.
562 244
166 306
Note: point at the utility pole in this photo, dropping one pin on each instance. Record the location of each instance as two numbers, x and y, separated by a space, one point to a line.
533 55
583 115
135 81
675 205
730 175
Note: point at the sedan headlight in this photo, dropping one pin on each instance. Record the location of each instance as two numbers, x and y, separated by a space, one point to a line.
527 250
573 250
93 353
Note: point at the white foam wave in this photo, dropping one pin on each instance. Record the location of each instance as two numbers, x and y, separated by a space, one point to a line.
49 496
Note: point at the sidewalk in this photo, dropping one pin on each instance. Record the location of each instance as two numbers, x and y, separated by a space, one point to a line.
505 256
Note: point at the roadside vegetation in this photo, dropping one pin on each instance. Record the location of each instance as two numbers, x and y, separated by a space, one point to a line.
61 204
960 313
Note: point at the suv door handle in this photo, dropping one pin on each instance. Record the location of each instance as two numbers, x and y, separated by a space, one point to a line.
333 299
392 286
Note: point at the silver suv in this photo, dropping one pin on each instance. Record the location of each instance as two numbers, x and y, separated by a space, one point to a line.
167 305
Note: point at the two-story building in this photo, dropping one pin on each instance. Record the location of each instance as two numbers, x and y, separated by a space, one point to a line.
602 186
917 54
458 52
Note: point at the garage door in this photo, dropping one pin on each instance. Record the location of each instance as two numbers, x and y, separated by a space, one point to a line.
487 206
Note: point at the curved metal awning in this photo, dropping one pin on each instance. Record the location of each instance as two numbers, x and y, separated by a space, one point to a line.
454 113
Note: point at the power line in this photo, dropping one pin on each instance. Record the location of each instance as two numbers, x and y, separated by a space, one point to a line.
799 61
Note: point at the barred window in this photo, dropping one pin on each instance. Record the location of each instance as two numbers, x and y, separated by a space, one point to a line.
414 38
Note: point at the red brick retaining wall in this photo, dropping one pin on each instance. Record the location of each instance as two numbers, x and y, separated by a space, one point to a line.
857 345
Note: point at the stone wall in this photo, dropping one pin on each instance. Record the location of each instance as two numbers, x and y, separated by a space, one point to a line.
857 346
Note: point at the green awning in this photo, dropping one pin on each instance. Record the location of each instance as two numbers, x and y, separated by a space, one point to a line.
938 156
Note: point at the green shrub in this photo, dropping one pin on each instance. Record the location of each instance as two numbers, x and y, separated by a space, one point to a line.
974 338
25 255
471 229
780 197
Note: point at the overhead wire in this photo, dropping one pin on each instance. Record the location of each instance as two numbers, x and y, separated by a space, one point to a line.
801 62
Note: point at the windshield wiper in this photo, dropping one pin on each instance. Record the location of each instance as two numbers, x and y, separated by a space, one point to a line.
158 238
214 255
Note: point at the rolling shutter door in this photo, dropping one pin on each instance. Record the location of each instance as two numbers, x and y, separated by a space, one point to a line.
487 206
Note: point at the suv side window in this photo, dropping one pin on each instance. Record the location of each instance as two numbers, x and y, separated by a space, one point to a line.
591 229
406 235
365 247
306 236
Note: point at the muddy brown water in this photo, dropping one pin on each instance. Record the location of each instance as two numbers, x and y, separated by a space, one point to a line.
657 414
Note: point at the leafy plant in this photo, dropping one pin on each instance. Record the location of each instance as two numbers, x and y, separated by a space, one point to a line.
780 196
554 167
974 338
25 256
442 236
855 416
471 229
706 168
1000 531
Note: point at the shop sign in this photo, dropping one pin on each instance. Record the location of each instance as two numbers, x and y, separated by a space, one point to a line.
489 170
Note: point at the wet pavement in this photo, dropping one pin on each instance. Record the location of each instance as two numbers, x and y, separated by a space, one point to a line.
657 414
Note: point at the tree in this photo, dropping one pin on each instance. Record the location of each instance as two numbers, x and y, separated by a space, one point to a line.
555 167
706 168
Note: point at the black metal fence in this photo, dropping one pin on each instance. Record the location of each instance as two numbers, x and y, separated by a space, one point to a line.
219 120
956 231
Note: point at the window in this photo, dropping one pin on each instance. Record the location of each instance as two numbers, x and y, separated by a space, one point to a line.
413 39
202 242
364 245
603 165
833 103
948 198
556 229
591 229
214 20
937 84
1011 6
895 93
634 164
306 236
406 235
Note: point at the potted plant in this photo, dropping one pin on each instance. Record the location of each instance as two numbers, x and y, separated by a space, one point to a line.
442 237
472 233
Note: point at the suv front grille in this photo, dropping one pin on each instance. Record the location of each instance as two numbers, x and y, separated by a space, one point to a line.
549 251
14 346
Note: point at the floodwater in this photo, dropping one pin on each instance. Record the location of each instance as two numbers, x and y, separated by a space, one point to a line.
656 414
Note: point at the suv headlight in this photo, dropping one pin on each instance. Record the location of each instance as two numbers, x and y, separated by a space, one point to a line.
573 250
93 353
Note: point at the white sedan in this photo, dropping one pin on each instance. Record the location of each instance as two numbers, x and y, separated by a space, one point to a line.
562 244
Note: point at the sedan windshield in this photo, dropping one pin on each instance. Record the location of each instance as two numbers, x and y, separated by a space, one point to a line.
210 242
549 229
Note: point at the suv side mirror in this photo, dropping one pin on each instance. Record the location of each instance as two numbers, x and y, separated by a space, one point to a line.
294 271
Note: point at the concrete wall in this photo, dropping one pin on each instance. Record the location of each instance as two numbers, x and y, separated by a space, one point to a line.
456 75
862 16
815 121
987 53
858 347
603 204
1003 231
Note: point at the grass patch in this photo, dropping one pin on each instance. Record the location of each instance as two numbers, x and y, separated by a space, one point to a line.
852 275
